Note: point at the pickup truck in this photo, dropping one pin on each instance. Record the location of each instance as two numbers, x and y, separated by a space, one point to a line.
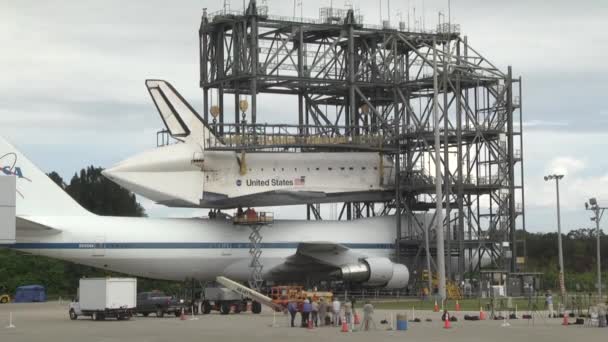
159 303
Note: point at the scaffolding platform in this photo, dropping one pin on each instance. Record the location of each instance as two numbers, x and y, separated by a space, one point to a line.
257 218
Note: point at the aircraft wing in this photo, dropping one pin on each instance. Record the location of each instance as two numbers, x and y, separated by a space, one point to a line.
315 258
328 260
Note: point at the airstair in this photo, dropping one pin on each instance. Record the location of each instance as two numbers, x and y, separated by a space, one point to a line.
249 293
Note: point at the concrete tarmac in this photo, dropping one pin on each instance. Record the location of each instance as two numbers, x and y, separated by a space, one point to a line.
50 322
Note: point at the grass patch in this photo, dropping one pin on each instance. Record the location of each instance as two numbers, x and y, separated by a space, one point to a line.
465 305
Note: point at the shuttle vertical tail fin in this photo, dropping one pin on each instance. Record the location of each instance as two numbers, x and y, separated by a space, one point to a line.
36 193
181 120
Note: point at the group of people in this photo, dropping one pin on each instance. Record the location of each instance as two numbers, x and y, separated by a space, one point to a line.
325 313
248 215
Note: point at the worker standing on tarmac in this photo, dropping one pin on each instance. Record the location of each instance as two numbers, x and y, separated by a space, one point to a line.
335 311
306 310
348 311
315 313
549 303
368 316
292 307
322 311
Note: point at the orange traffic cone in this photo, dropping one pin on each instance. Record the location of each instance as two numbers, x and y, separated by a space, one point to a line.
344 325
436 307
457 306
183 316
565 321
446 322
482 315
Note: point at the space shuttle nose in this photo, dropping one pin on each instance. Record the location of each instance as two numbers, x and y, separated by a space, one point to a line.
118 175
164 175
106 174
110 173
115 172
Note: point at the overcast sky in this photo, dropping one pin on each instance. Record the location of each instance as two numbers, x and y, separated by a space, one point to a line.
72 82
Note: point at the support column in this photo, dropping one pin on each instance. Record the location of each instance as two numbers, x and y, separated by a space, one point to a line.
220 75
352 121
521 166
301 75
237 112
253 50
460 180
510 160
447 181
236 70
204 63
397 166
438 181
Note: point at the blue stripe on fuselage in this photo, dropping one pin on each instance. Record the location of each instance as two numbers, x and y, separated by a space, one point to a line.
177 245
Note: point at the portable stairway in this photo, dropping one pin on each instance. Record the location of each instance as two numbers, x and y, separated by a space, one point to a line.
453 291
249 293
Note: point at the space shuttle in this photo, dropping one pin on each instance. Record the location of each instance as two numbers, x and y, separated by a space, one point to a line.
47 221
186 174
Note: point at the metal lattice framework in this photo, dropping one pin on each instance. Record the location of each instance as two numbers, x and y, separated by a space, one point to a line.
360 81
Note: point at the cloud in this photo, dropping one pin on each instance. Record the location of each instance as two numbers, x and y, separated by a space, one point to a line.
542 124
567 166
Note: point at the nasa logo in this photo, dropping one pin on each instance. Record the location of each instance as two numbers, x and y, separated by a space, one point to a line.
12 172
8 165
238 182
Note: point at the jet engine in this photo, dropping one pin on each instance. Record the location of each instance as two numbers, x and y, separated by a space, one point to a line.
379 272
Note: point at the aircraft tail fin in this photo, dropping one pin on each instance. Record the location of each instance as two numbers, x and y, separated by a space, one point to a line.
182 121
36 193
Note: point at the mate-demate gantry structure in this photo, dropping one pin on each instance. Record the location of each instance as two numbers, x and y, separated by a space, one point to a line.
377 88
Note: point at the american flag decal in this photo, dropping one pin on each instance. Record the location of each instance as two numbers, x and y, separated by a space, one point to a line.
299 181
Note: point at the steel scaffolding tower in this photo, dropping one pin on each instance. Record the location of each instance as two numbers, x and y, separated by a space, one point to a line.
356 82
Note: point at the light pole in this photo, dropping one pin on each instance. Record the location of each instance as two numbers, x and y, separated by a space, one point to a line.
599 212
562 284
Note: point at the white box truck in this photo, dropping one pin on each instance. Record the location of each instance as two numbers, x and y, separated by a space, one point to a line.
105 297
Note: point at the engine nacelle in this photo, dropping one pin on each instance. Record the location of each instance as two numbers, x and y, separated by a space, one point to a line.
379 272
